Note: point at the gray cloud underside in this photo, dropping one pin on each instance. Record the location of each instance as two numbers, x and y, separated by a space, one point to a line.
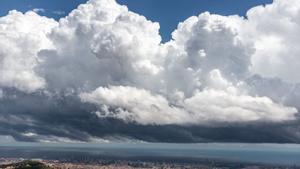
66 119
102 73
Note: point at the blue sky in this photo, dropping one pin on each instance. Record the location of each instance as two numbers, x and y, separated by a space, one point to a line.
167 12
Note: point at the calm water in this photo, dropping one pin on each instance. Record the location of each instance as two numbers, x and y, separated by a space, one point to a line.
257 153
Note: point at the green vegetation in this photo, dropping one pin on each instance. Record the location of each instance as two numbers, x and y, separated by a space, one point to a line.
26 165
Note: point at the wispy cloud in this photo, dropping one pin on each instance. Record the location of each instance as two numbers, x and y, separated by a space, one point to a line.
59 12
38 10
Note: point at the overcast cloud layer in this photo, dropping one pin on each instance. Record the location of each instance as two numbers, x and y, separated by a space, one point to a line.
103 73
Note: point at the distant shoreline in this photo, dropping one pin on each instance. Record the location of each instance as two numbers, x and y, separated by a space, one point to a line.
263 154
116 164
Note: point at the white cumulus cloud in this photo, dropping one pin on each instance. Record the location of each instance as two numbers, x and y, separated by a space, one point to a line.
274 31
141 106
114 58
22 36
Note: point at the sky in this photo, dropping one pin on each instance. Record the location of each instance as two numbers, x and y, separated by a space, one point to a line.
140 72
167 12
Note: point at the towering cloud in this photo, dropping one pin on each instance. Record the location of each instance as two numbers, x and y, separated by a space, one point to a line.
102 43
104 65
274 30
22 36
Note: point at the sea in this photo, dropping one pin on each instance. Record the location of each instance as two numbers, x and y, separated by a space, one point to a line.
276 154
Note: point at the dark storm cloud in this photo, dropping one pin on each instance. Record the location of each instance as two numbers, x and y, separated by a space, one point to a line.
67 117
